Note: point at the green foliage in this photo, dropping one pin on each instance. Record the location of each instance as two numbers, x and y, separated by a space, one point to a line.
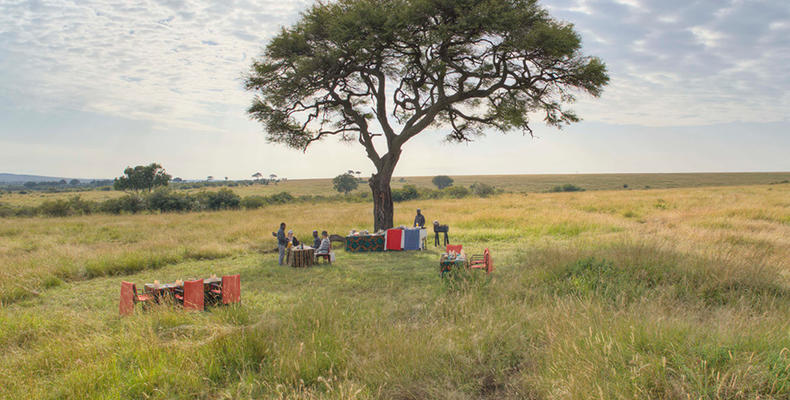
222 199
166 200
406 193
442 181
345 183
142 178
344 50
281 198
253 202
131 204
55 208
482 189
566 188
457 192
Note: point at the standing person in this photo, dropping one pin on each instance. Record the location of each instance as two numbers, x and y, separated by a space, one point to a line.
316 240
282 241
419 220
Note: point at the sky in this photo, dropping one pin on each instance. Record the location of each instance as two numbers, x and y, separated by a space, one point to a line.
89 87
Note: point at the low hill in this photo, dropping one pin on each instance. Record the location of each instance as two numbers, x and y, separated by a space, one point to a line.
15 178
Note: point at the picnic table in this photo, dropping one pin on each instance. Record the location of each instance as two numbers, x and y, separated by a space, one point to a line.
447 262
364 243
302 256
168 290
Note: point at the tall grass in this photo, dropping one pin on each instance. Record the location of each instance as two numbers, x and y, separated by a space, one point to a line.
687 300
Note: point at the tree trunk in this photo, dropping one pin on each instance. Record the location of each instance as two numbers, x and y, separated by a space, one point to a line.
383 212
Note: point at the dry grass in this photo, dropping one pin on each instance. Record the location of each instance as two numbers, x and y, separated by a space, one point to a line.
680 293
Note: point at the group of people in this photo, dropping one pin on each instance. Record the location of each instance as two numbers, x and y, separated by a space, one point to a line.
286 240
321 244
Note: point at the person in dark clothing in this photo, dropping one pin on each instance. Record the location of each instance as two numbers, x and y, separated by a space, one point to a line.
282 241
419 219
316 240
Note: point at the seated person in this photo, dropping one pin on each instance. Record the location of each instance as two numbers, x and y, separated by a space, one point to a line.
325 245
316 240
292 240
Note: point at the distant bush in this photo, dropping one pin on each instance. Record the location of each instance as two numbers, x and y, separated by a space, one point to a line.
566 188
406 193
131 204
457 192
61 208
253 202
222 199
482 189
165 200
281 198
55 208
6 211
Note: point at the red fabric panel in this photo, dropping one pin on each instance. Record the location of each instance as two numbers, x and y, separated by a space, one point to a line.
126 306
193 295
394 239
454 247
231 289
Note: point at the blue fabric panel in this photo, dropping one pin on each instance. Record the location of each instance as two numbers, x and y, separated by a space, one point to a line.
412 239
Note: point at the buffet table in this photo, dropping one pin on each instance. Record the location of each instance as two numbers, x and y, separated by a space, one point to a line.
364 243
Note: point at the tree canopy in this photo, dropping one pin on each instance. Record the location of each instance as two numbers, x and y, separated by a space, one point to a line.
442 181
379 72
142 178
345 183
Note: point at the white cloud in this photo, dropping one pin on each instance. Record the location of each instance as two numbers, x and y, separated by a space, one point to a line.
177 63
707 37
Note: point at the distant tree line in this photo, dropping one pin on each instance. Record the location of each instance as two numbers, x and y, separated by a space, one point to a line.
165 200
57 186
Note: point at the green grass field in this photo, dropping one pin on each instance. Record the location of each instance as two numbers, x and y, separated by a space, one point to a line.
661 293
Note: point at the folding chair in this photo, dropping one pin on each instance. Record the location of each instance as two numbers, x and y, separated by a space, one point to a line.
483 262
193 295
129 298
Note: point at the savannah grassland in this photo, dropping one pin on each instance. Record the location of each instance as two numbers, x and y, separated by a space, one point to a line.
661 293
509 183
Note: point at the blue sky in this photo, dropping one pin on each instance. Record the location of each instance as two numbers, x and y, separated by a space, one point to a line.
89 87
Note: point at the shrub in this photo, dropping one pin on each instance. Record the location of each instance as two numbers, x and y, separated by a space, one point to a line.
55 208
222 199
165 200
566 188
281 198
482 189
82 207
456 192
253 202
408 192
130 204
6 211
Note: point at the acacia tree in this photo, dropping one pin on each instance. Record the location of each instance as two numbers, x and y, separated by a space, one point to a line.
442 181
142 177
345 183
379 72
